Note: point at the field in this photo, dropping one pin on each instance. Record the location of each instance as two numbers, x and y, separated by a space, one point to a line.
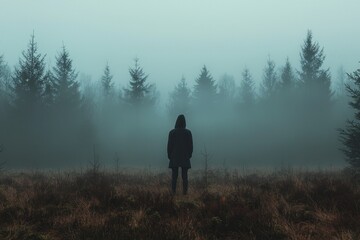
285 204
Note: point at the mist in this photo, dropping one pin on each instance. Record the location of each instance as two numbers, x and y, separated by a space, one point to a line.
220 64
175 39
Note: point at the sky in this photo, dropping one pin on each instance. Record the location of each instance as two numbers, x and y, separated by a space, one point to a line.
174 38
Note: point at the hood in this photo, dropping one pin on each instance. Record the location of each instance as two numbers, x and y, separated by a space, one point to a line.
180 122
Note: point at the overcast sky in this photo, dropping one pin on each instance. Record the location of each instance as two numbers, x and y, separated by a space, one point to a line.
174 38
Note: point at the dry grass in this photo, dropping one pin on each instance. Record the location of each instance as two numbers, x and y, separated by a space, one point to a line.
96 205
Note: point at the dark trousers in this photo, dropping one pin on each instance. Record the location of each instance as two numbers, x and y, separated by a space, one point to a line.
184 175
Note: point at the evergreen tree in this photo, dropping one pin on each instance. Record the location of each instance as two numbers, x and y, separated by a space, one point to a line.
5 77
28 77
66 87
49 89
179 99
4 72
107 83
88 94
287 78
314 80
268 85
205 89
2 65
2 68
226 88
350 136
341 82
139 92
247 91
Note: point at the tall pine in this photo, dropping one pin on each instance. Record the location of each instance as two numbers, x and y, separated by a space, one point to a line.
350 136
287 77
28 78
66 87
268 85
179 99
314 80
139 92
107 83
205 93
247 91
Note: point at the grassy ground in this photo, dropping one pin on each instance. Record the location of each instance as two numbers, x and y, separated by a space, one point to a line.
98 205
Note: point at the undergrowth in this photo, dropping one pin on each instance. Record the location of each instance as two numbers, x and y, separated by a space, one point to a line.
107 205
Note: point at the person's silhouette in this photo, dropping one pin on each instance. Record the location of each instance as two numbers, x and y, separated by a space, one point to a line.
179 150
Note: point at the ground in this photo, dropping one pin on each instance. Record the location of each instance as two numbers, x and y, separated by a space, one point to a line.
285 204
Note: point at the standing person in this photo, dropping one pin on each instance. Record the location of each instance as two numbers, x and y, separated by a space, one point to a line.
179 150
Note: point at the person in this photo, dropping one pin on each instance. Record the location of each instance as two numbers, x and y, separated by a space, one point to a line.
179 151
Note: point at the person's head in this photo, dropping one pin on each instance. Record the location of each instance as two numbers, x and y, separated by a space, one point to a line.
180 121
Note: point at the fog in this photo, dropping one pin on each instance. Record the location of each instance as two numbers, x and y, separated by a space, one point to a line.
44 125
177 38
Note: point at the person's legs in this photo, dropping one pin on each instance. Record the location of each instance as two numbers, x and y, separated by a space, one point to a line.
174 179
184 175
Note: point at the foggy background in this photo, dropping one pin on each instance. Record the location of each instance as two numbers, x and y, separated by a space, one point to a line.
174 40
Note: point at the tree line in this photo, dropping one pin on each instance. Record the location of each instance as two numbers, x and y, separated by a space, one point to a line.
37 100
32 84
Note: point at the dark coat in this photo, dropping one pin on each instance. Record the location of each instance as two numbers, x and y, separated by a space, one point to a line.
180 146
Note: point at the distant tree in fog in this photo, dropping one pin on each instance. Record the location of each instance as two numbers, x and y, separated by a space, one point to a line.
314 80
179 102
28 78
2 65
350 136
66 87
49 89
139 92
287 78
341 81
247 90
88 93
205 93
107 83
227 88
5 78
268 85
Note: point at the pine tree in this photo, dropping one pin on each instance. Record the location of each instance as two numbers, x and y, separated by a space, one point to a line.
268 85
106 82
341 81
350 136
139 92
287 78
2 68
179 99
247 91
226 88
66 87
5 77
205 89
4 72
48 95
28 77
315 81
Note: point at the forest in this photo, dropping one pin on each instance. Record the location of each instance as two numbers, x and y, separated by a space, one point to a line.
52 117
276 158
